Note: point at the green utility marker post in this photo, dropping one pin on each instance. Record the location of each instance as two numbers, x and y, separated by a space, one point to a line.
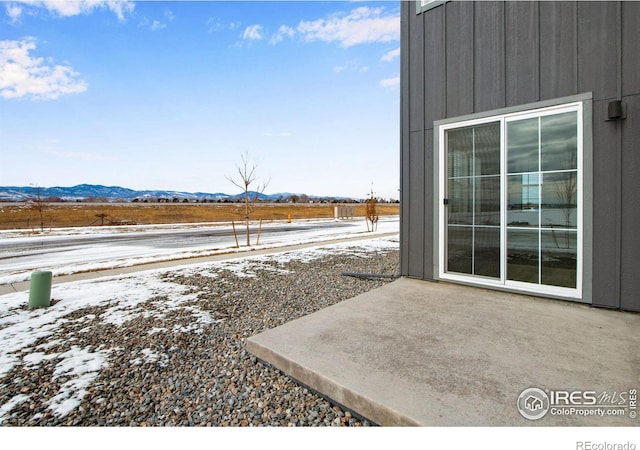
40 289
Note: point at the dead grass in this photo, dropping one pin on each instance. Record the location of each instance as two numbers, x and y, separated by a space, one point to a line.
21 216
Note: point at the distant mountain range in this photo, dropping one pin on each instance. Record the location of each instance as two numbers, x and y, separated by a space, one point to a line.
99 193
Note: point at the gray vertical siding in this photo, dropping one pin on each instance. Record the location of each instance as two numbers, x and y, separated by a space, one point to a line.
416 204
597 44
415 155
630 49
489 56
405 23
464 57
630 158
558 25
458 51
606 179
435 63
630 226
522 41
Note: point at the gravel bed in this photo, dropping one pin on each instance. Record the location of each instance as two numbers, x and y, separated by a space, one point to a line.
180 359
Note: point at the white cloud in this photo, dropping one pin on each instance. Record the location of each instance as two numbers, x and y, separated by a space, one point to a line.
169 14
153 25
157 25
22 75
67 8
214 25
252 33
391 55
283 31
351 66
362 25
14 12
390 83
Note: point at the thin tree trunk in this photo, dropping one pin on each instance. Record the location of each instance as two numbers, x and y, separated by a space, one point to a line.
233 224
259 231
246 216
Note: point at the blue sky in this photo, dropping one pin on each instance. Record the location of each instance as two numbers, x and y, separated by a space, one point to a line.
169 95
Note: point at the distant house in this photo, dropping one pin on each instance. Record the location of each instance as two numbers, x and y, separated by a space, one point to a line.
520 147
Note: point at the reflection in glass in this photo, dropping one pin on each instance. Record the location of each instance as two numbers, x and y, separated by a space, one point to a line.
559 141
522 149
487 200
559 258
460 192
559 200
523 192
459 249
487 149
486 253
460 152
522 255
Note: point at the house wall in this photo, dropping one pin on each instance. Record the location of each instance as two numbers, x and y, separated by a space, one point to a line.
465 57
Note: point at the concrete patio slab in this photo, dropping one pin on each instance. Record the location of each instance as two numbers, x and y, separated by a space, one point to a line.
436 354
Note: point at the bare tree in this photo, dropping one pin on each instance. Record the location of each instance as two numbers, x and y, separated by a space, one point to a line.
38 203
247 177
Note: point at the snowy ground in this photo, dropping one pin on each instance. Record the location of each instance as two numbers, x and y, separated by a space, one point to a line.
17 265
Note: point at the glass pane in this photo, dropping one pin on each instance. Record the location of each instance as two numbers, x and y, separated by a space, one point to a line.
460 152
559 200
522 255
487 201
460 194
522 146
487 252
559 141
559 258
523 193
459 245
487 149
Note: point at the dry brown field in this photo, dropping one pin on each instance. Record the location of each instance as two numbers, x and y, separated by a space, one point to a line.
57 215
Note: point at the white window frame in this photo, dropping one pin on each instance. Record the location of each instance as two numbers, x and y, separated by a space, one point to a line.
425 5
502 282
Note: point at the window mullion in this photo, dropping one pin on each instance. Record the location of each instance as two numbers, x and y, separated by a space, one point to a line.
540 182
503 200
473 201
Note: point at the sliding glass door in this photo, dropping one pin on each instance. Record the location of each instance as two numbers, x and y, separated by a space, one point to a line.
542 195
473 186
510 192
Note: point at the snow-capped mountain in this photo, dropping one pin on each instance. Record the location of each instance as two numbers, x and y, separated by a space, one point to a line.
91 192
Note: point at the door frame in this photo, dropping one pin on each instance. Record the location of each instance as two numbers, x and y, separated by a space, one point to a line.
583 105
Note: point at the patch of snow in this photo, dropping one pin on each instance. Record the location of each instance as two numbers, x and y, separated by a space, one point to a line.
33 360
82 366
